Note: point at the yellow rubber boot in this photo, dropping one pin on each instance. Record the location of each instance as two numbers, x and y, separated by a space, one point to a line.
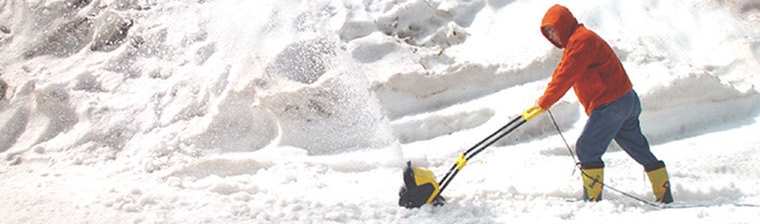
658 175
592 183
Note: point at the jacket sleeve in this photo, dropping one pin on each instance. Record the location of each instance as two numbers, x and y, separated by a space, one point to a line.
576 59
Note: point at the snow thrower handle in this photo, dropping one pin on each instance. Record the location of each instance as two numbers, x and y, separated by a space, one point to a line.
531 112
461 161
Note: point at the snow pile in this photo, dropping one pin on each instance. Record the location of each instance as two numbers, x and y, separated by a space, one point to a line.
305 111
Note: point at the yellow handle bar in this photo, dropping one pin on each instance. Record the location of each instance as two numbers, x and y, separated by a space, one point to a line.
531 113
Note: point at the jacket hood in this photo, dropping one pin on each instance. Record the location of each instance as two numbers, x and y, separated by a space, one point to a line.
563 22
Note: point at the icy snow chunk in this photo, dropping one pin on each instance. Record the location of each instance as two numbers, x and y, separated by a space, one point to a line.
336 115
87 82
112 33
66 40
239 126
304 61
203 53
131 4
3 88
53 101
77 3
358 22
36 116
5 35
357 25
372 48
429 24
12 125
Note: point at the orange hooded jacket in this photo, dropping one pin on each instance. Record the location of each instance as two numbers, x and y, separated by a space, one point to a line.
588 64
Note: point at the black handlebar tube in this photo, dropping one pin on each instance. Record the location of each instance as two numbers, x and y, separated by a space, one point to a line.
490 140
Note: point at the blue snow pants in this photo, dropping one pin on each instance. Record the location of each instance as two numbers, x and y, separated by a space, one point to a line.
618 120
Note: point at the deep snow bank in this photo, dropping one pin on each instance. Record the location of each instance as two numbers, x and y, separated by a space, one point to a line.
694 105
306 97
229 106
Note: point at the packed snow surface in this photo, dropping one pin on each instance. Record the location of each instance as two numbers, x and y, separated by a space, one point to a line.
239 111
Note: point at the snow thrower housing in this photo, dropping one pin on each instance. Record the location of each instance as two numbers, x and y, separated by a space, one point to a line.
420 187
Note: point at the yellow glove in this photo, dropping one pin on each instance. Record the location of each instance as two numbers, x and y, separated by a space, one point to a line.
531 112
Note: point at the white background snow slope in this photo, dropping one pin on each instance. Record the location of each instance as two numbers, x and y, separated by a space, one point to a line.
236 111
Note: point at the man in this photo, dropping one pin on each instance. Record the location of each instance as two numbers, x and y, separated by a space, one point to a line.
602 86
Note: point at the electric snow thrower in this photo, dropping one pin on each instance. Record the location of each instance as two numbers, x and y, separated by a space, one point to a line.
419 183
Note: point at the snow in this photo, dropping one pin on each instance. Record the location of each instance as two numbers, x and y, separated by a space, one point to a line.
306 111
